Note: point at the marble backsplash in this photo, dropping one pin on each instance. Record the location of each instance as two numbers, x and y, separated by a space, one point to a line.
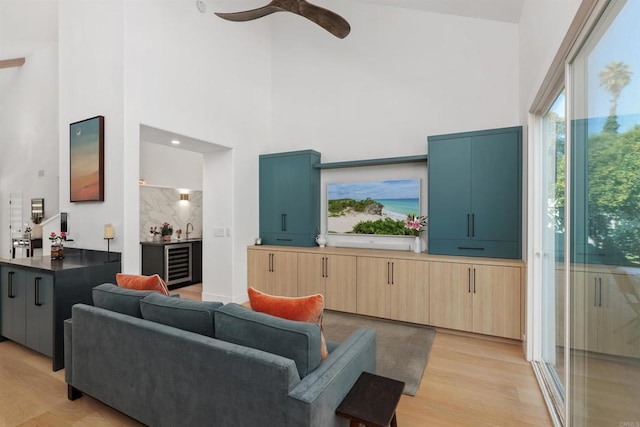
158 205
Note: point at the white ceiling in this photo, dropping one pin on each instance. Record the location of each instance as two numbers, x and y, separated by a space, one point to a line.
163 137
494 10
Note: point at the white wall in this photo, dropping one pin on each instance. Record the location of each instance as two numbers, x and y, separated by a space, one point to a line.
198 75
92 83
28 109
543 25
170 167
400 76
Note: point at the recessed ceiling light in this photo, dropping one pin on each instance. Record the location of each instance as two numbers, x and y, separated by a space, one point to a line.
175 142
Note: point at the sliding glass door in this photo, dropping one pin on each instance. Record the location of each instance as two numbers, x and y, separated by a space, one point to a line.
604 226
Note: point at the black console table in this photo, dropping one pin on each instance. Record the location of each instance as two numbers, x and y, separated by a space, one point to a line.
37 293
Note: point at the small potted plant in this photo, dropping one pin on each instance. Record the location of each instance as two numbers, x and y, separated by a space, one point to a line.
166 230
155 234
57 249
413 224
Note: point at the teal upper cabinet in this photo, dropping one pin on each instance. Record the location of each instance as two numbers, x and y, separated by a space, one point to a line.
475 193
290 198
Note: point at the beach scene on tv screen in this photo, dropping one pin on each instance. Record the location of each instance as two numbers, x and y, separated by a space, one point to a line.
376 207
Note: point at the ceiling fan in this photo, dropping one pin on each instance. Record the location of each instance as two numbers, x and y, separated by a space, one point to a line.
327 19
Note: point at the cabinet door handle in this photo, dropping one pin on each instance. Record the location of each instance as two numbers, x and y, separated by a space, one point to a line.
284 222
388 273
270 262
469 280
392 278
326 267
473 225
10 287
600 282
37 293
468 226
474 280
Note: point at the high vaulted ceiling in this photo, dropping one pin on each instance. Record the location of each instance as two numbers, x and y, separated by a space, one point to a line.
494 10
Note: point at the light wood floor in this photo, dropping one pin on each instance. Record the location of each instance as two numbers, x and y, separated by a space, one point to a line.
467 382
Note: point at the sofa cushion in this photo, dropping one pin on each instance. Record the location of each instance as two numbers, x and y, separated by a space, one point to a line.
142 283
181 313
298 341
122 300
302 309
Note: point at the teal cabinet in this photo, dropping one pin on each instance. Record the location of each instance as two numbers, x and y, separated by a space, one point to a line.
39 312
289 198
13 296
475 193
27 308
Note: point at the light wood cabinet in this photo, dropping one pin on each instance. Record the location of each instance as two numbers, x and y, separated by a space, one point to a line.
395 289
333 276
496 301
606 306
477 298
469 294
273 272
450 298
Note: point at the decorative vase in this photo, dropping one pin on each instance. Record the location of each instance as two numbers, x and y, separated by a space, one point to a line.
321 240
157 238
57 251
417 245
166 237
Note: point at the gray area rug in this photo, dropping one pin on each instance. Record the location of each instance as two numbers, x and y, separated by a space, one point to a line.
402 350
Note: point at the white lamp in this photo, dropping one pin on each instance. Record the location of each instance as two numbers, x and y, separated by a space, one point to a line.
108 236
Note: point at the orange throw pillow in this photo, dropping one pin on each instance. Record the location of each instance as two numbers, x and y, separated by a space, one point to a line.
142 283
302 309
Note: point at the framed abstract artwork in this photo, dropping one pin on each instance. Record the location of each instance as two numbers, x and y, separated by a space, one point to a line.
86 164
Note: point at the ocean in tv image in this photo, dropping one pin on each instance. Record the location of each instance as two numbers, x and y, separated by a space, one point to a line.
401 207
350 203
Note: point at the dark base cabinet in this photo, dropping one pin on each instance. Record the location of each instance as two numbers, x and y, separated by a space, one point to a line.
36 296
179 263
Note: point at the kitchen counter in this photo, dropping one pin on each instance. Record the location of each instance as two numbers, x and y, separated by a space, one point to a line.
73 259
172 242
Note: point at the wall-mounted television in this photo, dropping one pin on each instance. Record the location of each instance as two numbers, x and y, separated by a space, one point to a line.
374 207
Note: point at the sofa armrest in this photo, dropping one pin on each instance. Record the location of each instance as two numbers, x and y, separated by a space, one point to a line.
331 381
68 354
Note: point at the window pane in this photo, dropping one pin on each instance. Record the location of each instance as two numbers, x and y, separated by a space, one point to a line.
605 226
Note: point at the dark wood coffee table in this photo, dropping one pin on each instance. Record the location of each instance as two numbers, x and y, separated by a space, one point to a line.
372 401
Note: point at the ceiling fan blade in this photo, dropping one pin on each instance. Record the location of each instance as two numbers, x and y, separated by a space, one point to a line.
330 21
249 15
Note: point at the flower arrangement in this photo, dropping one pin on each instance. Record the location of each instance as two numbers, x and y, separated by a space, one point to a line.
154 230
166 229
57 239
414 224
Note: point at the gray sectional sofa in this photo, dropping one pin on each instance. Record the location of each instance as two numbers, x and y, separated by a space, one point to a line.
170 361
